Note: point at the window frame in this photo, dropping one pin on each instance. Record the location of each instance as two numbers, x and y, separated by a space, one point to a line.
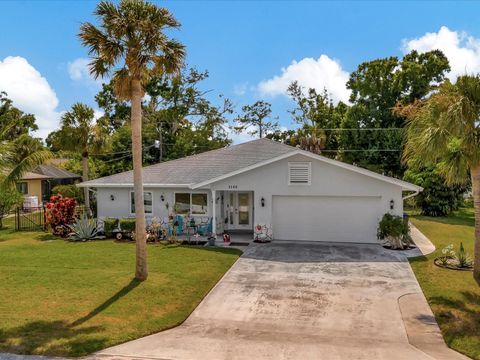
19 184
290 164
132 198
191 193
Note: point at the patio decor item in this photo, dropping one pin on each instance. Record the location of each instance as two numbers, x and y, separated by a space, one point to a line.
263 233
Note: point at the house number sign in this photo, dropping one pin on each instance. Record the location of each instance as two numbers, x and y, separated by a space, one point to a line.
232 186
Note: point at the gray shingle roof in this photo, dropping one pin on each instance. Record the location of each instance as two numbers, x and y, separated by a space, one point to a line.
54 173
202 167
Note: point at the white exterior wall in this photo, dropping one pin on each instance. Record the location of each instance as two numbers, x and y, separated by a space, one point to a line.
120 207
326 180
267 181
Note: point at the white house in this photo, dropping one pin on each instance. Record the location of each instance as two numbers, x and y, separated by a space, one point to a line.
303 196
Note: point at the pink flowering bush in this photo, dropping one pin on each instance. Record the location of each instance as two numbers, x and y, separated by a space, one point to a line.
60 212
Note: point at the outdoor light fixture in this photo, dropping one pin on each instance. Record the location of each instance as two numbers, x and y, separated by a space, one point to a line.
112 197
162 197
262 201
392 204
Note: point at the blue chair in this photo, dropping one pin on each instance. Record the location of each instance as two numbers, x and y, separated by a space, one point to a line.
205 228
179 224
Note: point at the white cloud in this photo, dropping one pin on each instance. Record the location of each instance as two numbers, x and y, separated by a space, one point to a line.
97 113
240 89
30 92
320 73
79 71
461 49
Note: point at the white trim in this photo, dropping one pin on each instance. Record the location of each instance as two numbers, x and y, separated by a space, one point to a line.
291 164
415 193
130 202
123 185
403 184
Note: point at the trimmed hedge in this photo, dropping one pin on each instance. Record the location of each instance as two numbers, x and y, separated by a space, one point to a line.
127 224
109 225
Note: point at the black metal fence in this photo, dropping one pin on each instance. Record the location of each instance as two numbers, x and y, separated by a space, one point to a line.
30 219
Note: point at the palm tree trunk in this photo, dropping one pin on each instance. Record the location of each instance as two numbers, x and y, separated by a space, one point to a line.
86 194
141 271
475 173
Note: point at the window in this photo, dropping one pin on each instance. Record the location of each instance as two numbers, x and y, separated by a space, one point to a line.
199 204
147 202
22 188
299 173
182 203
188 203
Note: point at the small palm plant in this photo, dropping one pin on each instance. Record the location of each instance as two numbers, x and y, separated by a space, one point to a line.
84 229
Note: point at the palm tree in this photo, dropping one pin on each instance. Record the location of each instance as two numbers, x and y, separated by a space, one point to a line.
130 44
80 133
15 161
445 129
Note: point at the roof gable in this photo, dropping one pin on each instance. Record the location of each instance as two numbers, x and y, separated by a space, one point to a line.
206 168
403 184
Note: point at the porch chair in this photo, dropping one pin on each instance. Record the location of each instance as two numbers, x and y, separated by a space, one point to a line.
179 227
205 227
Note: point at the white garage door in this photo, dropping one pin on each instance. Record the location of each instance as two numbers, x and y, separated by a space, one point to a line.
326 218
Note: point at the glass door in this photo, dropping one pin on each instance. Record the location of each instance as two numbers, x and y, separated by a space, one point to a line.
244 212
238 210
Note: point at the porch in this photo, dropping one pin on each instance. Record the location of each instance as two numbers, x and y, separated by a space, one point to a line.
233 213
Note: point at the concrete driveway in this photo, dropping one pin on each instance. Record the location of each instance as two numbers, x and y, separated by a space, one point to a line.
303 301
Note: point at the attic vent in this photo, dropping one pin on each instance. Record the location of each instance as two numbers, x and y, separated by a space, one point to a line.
299 173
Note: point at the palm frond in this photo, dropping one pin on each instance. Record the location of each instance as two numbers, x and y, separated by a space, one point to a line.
27 164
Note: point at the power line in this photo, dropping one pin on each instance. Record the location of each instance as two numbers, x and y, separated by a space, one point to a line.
363 129
358 150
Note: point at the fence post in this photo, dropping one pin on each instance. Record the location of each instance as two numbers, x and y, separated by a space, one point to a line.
44 218
17 218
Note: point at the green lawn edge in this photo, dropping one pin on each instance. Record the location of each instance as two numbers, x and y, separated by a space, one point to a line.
61 298
454 296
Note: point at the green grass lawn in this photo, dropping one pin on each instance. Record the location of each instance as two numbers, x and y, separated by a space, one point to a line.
70 299
453 295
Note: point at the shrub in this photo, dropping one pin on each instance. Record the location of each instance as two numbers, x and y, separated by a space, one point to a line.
60 212
110 224
462 258
83 229
455 259
437 198
71 191
9 199
395 231
127 225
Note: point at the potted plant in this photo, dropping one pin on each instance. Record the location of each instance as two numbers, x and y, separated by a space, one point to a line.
394 232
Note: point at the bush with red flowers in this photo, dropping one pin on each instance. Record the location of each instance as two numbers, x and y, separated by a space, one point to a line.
60 212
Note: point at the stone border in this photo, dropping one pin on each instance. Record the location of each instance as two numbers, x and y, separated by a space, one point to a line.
438 263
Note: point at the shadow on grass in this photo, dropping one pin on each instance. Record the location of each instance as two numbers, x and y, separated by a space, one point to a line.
47 237
459 317
51 338
60 337
117 296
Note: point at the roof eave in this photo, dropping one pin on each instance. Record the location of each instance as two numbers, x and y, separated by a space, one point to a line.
130 185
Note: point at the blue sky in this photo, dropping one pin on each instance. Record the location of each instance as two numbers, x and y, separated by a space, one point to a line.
244 46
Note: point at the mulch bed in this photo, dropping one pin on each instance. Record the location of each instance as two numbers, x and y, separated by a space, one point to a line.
439 263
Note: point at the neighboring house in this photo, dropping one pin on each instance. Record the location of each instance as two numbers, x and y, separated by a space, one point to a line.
40 181
303 196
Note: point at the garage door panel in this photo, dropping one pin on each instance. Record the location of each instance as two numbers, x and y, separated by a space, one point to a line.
325 218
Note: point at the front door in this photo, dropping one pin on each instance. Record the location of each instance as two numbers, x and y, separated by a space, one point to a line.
239 210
